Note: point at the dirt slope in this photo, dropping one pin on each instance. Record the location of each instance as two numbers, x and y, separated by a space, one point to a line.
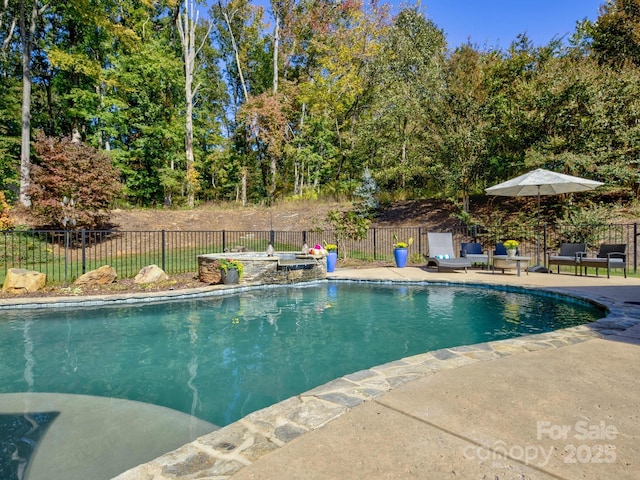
287 216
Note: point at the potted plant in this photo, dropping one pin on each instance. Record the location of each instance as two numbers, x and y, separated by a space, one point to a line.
512 247
332 256
401 251
231 270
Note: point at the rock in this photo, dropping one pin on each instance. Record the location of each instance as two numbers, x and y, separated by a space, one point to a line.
20 281
208 272
151 274
104 275
209 275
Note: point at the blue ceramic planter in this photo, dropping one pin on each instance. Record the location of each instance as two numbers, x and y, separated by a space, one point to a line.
332 259
400 255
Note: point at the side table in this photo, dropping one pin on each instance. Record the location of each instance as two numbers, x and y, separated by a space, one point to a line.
503 262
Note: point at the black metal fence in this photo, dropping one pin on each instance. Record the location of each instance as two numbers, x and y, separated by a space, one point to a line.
65 255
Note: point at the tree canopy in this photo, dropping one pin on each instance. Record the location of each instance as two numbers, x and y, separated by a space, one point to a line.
197 101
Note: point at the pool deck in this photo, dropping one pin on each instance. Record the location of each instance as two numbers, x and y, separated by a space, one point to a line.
557 405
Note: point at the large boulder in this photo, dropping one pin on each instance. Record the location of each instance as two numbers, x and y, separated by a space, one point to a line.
20 281
151 274
104 275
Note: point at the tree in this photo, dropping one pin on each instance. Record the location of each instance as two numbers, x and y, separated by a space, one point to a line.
366 192
148 128
461 123
67 168
187 25
348 225
616 33
406 80
29 13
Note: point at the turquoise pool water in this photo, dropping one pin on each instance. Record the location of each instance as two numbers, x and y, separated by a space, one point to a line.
220 358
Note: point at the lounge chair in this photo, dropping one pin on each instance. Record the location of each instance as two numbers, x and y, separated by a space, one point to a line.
570 254
474 253
610 255
441 254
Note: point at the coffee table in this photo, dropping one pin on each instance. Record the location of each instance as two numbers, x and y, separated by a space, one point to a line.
504 262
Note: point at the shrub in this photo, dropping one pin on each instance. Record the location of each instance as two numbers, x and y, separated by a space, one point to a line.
6 222
586 224
348 225
77 171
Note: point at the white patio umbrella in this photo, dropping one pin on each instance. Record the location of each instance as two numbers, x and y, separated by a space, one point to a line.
542 182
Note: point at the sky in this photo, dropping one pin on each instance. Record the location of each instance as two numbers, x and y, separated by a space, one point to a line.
496 23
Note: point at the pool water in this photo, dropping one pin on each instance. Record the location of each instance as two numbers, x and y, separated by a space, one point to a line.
221 358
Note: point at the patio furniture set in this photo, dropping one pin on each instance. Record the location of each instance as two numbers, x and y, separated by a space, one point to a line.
441 256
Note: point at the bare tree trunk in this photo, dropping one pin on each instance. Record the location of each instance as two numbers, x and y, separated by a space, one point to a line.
403 179
187 24
244 187
12 27
26 38
235 50
276 45
274 171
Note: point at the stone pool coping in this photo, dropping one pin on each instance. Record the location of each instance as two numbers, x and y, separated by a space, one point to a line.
225 452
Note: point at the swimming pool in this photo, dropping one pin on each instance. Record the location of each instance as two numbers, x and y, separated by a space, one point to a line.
221 358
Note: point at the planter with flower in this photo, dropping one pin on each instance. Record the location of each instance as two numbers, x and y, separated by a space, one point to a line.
401 251
332 256
230 268
318 251
512 248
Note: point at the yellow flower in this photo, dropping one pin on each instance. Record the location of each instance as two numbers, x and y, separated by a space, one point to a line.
398 244
511 244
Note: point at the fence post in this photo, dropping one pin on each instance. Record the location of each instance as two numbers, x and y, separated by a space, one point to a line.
635 248
84 251
304 238
272 237
420 241
66 256
224 240
544 245
163 250
375 244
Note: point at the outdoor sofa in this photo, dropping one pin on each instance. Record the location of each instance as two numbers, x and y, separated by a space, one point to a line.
610 255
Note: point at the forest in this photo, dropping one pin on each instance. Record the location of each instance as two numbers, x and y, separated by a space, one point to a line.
167 102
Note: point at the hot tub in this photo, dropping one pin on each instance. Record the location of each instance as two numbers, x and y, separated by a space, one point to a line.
281 267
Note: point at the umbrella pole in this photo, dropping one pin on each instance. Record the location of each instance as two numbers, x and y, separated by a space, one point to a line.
538 233
537 267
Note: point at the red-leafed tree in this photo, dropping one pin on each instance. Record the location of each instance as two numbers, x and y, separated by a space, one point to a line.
76 171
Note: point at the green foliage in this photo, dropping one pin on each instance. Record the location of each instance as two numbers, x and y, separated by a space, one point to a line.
586 224
367 203
348 225
356 88
6 222
615 33
226 264
398 244
75 171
